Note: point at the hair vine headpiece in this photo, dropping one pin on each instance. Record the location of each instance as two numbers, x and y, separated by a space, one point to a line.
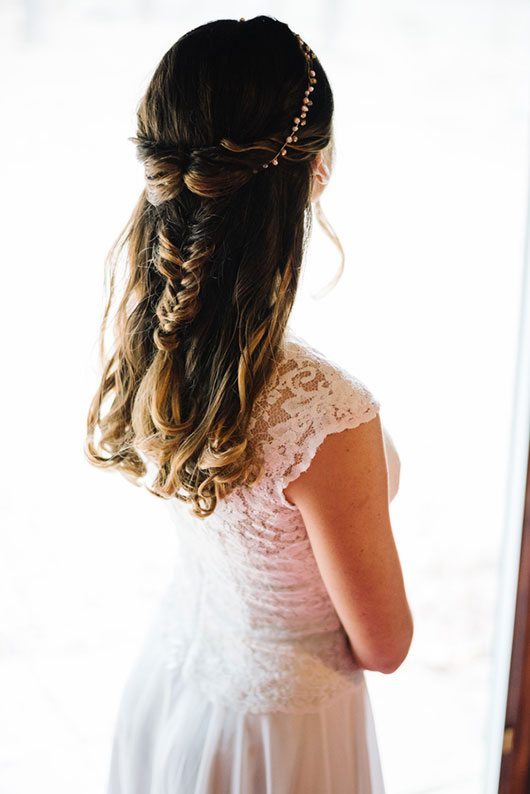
299 120
161 188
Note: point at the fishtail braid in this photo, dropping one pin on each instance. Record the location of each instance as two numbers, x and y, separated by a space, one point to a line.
180 300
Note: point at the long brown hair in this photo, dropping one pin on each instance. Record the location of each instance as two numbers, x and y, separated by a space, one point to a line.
214 252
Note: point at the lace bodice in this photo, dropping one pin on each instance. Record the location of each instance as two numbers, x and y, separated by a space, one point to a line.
249 620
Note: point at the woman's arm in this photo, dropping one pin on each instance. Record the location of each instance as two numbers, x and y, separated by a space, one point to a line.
343 499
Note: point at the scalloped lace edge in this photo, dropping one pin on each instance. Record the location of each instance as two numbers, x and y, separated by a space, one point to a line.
346 423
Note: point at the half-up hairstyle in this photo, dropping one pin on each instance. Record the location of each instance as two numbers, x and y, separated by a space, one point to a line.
214 250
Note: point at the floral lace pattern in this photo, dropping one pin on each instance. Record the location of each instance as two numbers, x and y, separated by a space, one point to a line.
249 620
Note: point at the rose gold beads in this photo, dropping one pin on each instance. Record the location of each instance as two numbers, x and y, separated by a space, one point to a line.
300 119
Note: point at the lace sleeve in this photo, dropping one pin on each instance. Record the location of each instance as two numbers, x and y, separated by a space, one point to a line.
319 398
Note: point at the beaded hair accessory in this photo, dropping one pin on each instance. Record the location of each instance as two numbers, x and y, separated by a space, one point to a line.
160 187
300 120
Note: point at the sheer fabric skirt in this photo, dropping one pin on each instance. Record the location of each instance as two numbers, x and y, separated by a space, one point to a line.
170 739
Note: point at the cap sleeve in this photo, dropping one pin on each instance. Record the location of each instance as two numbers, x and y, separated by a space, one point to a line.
317 397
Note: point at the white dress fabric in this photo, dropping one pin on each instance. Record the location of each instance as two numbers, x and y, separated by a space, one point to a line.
245 684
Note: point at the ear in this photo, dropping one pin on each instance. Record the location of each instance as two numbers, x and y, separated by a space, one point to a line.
321 169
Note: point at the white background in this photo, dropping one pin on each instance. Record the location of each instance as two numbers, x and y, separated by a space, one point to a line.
429 198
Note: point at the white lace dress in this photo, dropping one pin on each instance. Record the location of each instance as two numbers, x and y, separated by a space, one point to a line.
245 684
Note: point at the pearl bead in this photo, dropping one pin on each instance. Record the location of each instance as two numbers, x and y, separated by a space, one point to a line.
275 161
284 151
311 88
295 137
289 139
265 165
302 123
296 120
312 73
304 115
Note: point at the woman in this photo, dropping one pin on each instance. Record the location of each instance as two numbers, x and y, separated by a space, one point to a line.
271 457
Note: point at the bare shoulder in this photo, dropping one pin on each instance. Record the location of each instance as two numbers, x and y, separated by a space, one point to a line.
348 468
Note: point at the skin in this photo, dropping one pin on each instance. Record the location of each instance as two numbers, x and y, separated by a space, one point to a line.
344 498
321 171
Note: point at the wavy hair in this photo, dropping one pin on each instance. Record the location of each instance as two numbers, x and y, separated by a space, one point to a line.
213 258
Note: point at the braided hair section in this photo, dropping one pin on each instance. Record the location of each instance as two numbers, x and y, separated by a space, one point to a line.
179 303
